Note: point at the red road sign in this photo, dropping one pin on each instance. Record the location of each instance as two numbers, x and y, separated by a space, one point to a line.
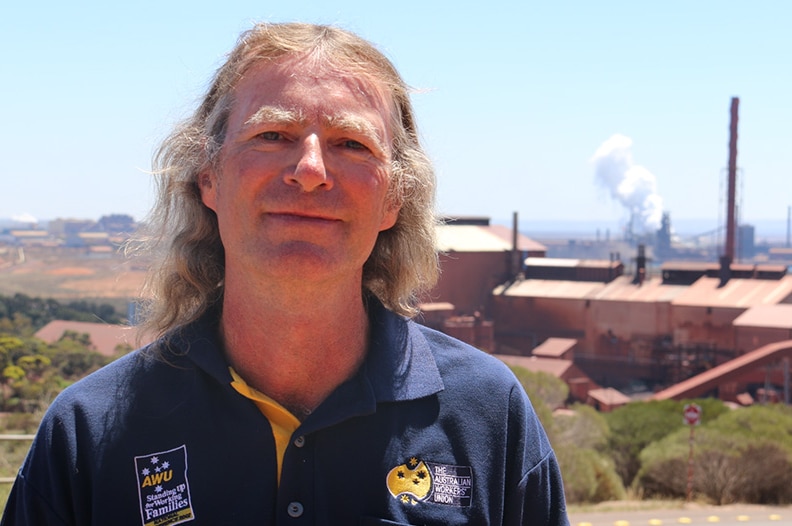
692 414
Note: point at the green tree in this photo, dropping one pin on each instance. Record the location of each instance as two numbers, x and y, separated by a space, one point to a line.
13 373
11 348
638 424
18 324
582 427
589 476
81 338
742 456
33 371
22 315
74 357
581 436
34 364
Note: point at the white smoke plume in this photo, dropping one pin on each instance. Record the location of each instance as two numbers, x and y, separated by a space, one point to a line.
630 184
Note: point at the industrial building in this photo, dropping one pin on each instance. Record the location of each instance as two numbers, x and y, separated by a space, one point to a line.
640 331
680 329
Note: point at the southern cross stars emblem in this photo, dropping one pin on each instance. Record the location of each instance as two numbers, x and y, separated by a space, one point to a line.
410 483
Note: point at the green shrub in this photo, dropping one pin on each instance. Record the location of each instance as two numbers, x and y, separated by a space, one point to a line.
742 456
589 477
635 426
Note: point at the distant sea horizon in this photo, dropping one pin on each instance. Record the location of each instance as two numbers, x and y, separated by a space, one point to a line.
768 230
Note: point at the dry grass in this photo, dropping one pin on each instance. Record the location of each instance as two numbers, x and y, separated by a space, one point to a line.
72 278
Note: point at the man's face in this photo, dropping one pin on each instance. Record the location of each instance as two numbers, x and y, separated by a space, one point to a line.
301 187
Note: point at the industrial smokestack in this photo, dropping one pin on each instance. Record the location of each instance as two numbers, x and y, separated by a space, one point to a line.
731 226
516 255
640 266
731 220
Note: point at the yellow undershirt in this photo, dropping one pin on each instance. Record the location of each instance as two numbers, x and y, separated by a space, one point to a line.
282 421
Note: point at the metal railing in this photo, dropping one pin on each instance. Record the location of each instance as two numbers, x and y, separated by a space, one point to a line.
10 480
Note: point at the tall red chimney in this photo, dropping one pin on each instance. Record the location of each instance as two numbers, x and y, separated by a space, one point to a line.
731 220
731 227
516 255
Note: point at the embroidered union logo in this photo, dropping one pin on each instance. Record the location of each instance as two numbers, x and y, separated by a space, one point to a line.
163 488
422 481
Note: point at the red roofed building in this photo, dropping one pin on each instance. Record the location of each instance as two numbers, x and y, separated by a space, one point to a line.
476 257
606 399
647 331
558 348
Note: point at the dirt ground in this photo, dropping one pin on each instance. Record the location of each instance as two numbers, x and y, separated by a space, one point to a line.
69 277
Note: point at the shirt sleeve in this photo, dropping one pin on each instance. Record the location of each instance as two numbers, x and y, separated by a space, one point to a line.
26 507
48 484
538 498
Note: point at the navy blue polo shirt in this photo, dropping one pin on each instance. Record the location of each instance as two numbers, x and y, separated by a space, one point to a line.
429 431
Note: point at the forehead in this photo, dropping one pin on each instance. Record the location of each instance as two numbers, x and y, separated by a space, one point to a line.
310 86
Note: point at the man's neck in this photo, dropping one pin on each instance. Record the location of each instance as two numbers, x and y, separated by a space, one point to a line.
295 349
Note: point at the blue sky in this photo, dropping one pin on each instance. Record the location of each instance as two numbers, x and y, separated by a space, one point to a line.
513 98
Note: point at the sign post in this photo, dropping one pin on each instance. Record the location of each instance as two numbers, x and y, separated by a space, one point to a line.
692 416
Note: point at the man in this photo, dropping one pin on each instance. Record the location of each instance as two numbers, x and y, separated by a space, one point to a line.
288 385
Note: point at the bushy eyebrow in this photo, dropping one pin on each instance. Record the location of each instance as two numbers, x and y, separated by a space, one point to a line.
343 121
275 114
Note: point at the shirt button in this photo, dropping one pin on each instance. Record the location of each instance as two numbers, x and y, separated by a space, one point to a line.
299 441
295 509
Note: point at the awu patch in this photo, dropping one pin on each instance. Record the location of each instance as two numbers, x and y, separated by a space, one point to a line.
163 488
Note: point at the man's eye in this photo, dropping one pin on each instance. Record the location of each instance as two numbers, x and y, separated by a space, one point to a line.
354 145
270 136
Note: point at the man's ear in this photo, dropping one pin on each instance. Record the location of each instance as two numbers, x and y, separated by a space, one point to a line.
390 216
207 184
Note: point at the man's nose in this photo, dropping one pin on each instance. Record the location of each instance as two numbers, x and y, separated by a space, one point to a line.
310 173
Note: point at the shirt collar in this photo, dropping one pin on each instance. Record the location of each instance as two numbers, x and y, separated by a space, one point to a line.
399 365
